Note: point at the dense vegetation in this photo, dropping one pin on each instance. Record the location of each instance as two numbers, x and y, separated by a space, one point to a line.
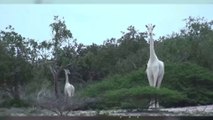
112 73
184 84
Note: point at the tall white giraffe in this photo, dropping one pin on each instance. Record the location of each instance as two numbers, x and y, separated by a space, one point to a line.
69 89
155 67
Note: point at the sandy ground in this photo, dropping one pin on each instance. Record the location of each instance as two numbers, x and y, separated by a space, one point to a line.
196 111
206 110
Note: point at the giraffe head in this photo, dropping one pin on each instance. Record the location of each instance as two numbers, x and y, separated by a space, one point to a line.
67 71
150 28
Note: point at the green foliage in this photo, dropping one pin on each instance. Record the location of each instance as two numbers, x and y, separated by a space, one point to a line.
118 81
116 69
184 84
192 44
15 70
192 80
140 96
14 103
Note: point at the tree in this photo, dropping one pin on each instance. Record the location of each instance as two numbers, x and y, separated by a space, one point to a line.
63 51
193 43
15 66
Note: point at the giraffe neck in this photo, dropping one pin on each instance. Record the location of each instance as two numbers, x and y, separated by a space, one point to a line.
67 79
153 56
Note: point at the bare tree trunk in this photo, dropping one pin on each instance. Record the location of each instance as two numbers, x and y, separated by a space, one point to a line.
55 78
15 88
55 73
16 92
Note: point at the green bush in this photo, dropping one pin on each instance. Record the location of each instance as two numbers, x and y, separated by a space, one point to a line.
14 103
139 97
183 84
136 78
191 80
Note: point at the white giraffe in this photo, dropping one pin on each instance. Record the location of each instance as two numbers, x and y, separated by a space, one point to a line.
68 88
155 67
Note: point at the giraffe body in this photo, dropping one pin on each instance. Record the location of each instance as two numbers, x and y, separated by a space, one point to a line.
69 89
155 68
155 72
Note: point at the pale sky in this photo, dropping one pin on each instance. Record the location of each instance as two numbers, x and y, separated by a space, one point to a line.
94 23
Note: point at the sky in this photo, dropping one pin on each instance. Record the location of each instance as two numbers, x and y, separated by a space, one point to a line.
94 23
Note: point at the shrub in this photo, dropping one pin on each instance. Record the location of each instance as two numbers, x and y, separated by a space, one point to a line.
184 84
14 103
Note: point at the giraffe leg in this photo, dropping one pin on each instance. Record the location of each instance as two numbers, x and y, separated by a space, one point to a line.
156 76
159 80
152 104
151 83
150 77
156 103
160 75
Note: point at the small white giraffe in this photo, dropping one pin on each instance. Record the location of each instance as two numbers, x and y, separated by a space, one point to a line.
68 88
155 67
